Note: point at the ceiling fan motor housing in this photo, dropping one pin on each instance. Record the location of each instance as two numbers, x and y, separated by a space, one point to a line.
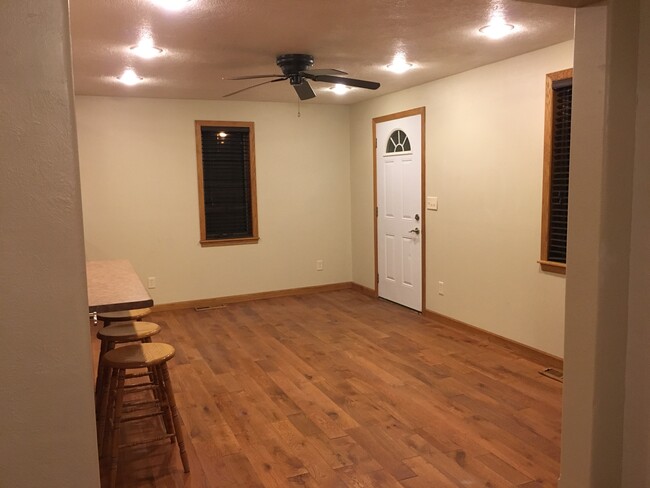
292 64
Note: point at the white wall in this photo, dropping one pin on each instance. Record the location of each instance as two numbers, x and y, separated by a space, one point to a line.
484 148
140 195
47 421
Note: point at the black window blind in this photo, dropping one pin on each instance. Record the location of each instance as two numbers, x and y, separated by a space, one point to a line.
559 188
226 182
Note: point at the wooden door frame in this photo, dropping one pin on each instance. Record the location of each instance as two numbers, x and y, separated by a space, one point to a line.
385 118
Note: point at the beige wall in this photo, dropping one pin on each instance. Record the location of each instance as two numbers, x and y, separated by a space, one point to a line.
484 144
586 197
47 421
139 185
636 446
606 415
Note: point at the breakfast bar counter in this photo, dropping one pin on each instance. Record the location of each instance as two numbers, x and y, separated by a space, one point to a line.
113 286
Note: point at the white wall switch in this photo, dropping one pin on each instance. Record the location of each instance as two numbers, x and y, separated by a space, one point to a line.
319 265
441 288
432 203
151 282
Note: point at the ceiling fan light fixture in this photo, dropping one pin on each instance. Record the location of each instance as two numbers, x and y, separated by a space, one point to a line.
172 5
399 64
129 77
146 49
497 30
340 89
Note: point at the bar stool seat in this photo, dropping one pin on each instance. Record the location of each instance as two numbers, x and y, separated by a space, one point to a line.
123 315
128 332
114 410
139 355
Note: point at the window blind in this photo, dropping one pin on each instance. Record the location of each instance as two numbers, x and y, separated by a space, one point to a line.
226 182
559 185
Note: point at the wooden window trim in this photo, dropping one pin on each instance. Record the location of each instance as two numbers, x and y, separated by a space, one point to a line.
204 241
545 264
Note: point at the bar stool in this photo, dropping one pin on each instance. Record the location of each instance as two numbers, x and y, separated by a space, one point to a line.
119 334
123 315
153 356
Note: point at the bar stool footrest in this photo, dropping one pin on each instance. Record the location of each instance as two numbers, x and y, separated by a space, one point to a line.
148 441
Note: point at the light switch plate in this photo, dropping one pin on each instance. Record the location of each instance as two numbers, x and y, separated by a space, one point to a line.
432 203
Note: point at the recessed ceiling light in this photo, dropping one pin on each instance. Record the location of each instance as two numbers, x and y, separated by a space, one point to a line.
496 30
129 77
173 5
399 64
146 49
340 89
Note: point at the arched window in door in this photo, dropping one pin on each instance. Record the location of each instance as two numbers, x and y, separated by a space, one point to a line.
398 142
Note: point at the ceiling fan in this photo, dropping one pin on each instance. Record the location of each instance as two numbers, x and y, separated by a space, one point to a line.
295 68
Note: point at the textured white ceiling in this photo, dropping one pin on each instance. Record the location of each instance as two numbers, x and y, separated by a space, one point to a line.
216 39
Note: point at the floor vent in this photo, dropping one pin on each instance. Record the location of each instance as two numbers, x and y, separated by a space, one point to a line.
554 374
208 307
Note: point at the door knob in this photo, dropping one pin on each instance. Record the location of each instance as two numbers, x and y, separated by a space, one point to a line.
415 231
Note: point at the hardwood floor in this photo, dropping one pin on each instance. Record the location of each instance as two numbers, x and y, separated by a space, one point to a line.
341 390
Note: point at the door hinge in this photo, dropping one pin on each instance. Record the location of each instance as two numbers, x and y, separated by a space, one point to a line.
376 211
375 143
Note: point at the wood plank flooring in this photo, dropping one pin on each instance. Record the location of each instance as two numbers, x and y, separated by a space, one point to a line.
341 390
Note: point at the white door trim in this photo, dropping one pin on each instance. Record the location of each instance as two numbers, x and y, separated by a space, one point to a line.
407 113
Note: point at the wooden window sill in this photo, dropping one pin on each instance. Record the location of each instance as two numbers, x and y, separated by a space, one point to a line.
230 242
553 267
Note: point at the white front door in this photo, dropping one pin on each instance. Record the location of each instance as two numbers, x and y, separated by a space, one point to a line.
399 210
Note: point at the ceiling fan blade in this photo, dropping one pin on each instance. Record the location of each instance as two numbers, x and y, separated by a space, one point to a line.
324 71
252 77
304 90
253 86
370 85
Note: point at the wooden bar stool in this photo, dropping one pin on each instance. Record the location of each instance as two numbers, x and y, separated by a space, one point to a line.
119 334
123 315
153 356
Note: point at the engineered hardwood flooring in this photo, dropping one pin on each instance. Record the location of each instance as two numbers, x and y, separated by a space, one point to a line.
341 390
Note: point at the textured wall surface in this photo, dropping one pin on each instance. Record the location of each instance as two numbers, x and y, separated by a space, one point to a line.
47 426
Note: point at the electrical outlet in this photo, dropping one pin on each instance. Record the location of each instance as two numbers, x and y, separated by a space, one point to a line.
319 265
151 282
441 288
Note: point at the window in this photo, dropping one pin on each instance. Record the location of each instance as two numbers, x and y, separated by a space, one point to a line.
225 154
398 142
557 144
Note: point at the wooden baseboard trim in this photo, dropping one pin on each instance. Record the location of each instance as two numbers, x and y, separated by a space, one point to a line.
217 301
364 290
528 352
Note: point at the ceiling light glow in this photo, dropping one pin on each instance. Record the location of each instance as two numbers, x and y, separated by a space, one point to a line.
173 5
340 89
399 64
497 28
129 77
146 49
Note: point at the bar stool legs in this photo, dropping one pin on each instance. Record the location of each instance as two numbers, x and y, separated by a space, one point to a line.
171 402
114 411
115 435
